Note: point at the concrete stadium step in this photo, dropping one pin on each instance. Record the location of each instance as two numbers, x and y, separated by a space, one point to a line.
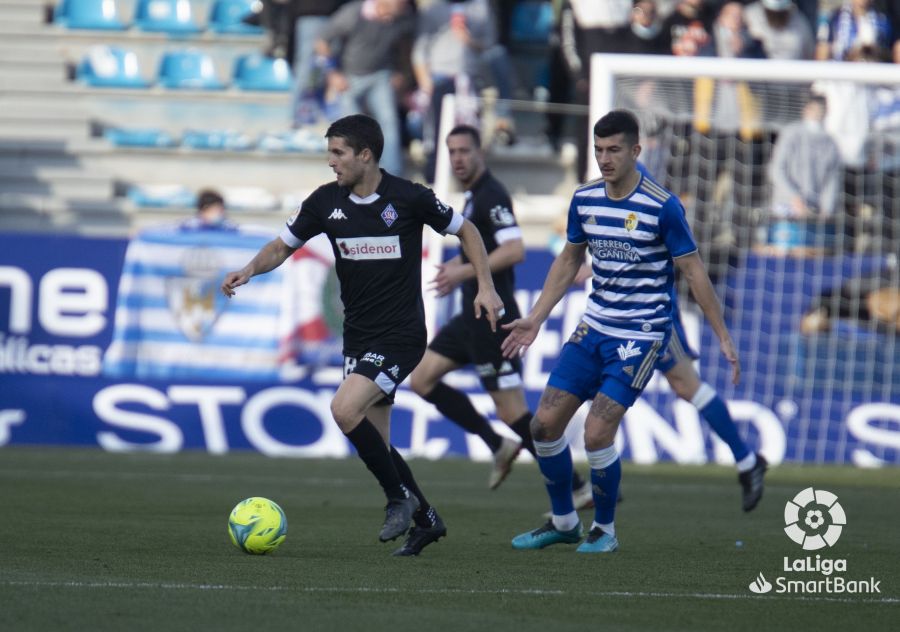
21 124
41 68
69 185
22 11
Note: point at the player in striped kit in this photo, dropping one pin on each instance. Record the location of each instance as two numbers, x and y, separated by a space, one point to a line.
637 234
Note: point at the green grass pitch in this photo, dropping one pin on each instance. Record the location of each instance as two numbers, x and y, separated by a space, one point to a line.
96 541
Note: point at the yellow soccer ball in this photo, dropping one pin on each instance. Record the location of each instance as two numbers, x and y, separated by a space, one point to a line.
257 525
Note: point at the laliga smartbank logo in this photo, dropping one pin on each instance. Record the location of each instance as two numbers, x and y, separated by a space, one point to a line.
814 519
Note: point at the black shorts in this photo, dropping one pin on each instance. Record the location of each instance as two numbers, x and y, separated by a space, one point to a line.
386 366
471 341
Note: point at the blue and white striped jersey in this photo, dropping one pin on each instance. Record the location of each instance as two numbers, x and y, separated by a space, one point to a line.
632 242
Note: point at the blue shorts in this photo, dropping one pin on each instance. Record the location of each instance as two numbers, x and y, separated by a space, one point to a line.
678 348
591 363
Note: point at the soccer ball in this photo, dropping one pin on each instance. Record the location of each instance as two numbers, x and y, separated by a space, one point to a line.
257 525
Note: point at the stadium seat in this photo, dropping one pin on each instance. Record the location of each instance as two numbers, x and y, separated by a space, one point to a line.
88 14
110 67
174 17
259 72
139 137
225 17
531 22
216 140
188 69
161 196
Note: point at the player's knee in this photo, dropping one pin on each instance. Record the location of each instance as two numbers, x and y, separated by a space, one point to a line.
541 430
598 437
421 384
345 415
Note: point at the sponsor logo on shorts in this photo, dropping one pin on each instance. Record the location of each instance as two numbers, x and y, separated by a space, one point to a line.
374 358
359 248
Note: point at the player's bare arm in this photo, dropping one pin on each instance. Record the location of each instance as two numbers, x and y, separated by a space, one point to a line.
691 266
562 273
487 298
269 257
453 273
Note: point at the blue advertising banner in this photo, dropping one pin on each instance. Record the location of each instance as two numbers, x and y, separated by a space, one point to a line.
828 397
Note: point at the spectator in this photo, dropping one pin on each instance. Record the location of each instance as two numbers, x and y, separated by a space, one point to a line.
856 31
310 17
587 27
807 178
647 36
734 101
871 302
784 32
359 49
451 42
275 17
210 212
689 26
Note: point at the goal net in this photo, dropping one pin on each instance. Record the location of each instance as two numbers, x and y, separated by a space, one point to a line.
809 286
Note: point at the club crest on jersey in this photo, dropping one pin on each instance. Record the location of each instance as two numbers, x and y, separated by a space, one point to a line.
389 215
631 221
628 351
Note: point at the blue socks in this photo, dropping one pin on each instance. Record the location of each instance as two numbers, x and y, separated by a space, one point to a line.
606 473
715 412
555 460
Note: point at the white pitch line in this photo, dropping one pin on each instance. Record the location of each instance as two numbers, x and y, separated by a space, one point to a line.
450 591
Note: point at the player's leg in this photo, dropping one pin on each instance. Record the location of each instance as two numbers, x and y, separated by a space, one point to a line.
428 525
354 398
624 378
451 403
685 382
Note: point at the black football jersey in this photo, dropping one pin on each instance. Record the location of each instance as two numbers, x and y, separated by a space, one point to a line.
377 244
489 208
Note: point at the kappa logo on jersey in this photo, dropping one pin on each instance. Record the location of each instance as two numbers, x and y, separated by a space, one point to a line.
631 221
359 248
628 351
502 216
389 215
337 214
442 208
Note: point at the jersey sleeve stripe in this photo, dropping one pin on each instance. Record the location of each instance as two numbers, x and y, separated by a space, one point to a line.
290 239
508 234
455 224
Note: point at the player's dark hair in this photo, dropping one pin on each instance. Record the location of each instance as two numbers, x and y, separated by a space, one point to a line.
359 132
466 129
207 198
619 122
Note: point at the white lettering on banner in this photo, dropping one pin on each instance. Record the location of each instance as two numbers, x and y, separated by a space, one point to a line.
330 444
19 284
106 407
359 248
73 302
861 425
209 401
8 418
17 355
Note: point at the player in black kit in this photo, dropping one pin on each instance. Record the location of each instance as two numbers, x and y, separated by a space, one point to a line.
466 339
374 222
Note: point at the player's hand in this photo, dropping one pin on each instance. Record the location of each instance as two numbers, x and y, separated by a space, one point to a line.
522 332
233 280
490 302
449 277
730 353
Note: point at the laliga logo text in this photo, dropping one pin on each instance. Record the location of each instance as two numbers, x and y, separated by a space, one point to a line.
814 519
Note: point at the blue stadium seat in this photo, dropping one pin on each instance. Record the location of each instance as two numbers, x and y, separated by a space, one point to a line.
101 15
259 72
110 67
225 17
166 16
161 196
188 69
531 22
139 137
216 140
